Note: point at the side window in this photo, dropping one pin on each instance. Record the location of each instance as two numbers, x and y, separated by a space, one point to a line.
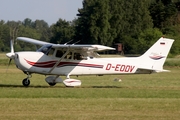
78 56
59 53
51 52
69 56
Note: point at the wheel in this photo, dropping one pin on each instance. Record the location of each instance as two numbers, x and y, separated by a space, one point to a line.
26 82
52 84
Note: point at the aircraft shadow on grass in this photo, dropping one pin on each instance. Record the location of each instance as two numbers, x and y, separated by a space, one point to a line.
39 86
32 86
106 87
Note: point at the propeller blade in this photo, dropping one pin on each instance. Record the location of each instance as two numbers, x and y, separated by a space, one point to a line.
11 45
8 64
11 54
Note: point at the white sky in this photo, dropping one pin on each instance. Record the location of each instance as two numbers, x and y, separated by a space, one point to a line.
47 10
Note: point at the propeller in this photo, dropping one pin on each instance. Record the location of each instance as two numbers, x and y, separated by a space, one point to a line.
11 54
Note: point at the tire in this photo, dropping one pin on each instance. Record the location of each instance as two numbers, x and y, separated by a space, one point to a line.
52 84
26 82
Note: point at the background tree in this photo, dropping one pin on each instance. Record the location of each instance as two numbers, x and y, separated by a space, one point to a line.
147 38
4 36
107 22
62 32
136 24
163 13
27 22
93 24
43 29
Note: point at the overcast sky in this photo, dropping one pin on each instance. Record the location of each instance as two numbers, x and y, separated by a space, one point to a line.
47 10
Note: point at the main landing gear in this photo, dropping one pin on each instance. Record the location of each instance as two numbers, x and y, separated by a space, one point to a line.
52 84
26 81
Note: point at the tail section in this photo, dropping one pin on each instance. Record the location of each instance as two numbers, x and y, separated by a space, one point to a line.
155 56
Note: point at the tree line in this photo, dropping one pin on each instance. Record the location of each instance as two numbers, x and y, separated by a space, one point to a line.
137 24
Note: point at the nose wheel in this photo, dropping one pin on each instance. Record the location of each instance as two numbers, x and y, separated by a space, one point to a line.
26 82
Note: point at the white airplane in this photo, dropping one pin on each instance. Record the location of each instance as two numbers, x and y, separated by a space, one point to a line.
56 60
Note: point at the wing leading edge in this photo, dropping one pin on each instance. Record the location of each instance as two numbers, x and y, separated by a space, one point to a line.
33 41
70 46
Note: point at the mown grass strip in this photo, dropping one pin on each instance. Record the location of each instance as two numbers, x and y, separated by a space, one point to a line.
72 108
137 97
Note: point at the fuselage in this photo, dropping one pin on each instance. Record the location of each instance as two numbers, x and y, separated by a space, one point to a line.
56 60
38 62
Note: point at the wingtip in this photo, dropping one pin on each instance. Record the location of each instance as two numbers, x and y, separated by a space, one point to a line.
101 47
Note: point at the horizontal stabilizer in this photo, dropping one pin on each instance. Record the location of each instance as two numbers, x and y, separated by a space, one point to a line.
149 71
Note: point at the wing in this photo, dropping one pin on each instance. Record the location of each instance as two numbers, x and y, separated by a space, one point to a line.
86 50
84 47
33 41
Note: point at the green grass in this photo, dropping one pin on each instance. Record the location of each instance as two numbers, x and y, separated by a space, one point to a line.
119 108
137 97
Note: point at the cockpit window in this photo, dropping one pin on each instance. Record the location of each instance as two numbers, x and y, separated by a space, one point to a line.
77 56
59 53
45 49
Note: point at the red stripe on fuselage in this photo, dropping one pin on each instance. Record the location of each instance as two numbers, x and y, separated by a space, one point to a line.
49 64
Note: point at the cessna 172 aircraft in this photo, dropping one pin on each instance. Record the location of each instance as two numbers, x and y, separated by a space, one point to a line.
56 60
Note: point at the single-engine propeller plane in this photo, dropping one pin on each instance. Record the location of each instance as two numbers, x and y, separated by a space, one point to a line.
56 60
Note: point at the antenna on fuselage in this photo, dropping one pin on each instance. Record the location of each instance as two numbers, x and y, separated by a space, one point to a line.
76 42
68 42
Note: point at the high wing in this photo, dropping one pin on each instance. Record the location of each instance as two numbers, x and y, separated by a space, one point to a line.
87 50
33 41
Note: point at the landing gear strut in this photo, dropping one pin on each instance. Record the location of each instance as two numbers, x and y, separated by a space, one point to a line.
26 81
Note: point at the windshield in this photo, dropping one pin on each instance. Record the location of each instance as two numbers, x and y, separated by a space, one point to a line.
45 49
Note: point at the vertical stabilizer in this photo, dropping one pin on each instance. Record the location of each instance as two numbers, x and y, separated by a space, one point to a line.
156 55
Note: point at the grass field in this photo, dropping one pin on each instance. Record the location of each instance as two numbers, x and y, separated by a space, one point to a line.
137 97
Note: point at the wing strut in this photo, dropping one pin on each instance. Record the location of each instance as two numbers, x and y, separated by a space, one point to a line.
59 61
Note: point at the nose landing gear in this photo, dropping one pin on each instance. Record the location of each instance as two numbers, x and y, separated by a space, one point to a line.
26 81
